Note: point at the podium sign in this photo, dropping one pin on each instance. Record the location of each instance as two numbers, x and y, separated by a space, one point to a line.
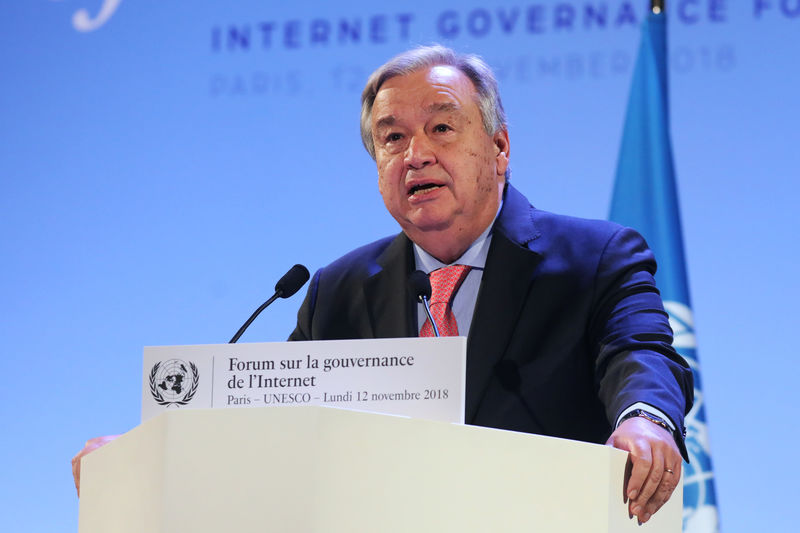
416 377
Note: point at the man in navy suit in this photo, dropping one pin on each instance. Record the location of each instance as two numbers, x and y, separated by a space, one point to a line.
566 332
567 335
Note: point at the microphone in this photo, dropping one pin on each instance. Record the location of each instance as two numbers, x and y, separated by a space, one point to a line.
289 284
419 285
292 281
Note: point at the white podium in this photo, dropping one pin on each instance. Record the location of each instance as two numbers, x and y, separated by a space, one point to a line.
317 469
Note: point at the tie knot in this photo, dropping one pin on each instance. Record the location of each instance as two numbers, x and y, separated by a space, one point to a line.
446 281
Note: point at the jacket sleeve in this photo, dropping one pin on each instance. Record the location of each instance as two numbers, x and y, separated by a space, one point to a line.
631 336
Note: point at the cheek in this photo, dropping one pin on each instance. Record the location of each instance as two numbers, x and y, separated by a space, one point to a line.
480 164
487 182
387 173
385 183
386 192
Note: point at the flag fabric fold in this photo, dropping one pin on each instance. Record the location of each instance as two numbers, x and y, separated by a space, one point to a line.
646 199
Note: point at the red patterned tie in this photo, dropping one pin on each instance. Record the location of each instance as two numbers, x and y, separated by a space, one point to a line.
444 284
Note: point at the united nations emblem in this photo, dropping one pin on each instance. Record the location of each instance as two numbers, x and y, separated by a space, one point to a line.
699 494
174 382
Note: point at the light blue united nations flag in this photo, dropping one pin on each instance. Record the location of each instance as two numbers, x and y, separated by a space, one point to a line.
645 198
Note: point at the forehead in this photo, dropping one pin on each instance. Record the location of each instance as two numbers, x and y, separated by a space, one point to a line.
428 89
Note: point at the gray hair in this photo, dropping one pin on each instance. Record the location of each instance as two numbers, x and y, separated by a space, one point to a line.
475 68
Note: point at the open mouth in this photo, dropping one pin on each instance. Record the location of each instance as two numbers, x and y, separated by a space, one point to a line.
423 188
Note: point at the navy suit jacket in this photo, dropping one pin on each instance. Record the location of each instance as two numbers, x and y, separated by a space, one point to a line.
568 331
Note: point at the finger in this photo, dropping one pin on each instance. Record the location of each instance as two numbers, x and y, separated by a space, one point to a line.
653 478
642 461
650 499
76 473
627 487
673 464
91 445
76 466
626 477
649 486
665 489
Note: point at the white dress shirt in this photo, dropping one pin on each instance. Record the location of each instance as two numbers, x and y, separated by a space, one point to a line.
466 295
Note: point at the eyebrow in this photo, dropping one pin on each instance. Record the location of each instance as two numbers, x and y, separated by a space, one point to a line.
443 106
385 122
433 108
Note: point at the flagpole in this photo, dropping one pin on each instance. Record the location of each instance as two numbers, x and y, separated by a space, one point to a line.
646 198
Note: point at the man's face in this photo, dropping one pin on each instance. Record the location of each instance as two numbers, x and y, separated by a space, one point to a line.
440 174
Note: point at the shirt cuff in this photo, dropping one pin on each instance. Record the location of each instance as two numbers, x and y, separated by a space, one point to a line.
650 409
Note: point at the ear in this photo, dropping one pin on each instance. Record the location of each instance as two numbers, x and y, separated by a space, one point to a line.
502 148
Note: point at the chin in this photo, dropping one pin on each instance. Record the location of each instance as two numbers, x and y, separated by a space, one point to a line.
426 225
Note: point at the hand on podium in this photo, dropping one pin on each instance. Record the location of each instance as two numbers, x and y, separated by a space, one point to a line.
656 465
90 446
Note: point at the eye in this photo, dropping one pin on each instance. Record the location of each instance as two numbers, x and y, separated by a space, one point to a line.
441 128
393 137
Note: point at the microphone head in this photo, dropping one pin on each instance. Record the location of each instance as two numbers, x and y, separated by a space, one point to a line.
291 282
419 285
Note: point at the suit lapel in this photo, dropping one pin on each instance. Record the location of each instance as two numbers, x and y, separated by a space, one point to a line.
388 304
507 277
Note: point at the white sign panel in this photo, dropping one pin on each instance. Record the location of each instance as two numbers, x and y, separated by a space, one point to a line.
416 377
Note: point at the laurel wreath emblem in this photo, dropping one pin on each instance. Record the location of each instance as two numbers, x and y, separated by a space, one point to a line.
159 398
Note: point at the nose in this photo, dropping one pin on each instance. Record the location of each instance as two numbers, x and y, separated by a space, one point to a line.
419 153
